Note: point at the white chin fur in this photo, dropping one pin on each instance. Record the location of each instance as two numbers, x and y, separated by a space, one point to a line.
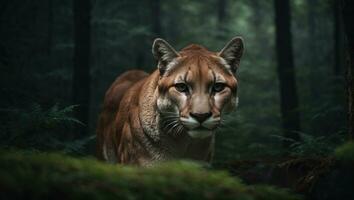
200 133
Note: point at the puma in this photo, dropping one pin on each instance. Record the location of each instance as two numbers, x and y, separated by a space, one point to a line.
172 113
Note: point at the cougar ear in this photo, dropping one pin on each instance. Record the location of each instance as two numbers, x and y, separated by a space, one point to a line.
163 53
232 53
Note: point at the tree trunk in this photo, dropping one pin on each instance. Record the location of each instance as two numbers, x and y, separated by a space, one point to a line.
338 34
259 27
336 37
313 45
156 17
348 16
286 72
221 19
81 75
257 16
221 11
50 27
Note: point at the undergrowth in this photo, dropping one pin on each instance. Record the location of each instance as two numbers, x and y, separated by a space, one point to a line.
37 128
46 176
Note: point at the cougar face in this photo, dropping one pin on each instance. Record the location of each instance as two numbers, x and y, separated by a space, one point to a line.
196 87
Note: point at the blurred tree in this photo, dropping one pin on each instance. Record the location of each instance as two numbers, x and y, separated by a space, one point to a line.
221 11
156 17
286 72
172 21
338 38
259 26
221 17
257 17
122 32
312 7
50 26
348 16
154 30
81 75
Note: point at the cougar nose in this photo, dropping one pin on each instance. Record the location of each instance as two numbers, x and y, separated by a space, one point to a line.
200 117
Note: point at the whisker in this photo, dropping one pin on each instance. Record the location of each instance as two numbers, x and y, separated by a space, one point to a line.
180 129
166 126
176 130
174 125
169 124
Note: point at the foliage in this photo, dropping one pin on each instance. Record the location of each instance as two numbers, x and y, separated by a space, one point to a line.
310 145
36 176
36 51
241 138
42 129
37 48
345 152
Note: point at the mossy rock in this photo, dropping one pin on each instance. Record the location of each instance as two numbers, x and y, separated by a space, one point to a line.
55 176
345 152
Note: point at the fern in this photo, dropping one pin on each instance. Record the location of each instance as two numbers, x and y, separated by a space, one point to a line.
77 146
63 115
310 145
42 129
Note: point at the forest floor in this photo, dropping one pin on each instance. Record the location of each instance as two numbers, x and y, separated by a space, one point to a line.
317 178
28 175
35 175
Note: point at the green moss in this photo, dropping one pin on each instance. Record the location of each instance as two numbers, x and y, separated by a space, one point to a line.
345 152
48 176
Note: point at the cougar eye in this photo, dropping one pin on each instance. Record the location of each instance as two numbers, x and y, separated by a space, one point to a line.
181 87
218 87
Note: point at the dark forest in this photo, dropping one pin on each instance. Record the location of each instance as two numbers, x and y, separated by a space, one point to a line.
290 136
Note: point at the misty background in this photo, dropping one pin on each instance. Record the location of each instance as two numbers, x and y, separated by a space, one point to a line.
55 54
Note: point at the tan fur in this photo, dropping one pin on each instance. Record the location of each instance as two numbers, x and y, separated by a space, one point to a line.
134 128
